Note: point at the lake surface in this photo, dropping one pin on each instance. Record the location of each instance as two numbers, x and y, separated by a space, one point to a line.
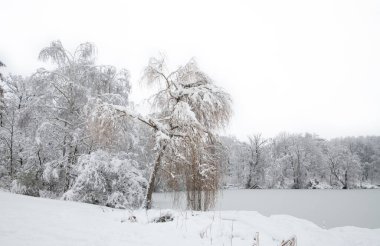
326 208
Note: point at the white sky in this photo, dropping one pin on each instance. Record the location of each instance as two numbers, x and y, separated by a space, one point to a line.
297 66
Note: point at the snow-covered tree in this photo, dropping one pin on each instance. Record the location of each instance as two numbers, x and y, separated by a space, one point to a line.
190 109
256 175
13 121
299 157
75 85
238 157
343 164
19 126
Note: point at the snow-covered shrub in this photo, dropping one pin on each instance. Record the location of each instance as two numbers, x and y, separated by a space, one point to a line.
165 217
107 179
54 177
17 187
317 184
5 179
28 182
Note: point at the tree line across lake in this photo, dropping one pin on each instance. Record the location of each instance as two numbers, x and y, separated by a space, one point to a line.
303 161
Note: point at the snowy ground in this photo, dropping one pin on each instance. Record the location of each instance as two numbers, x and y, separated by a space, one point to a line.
36 221
326 208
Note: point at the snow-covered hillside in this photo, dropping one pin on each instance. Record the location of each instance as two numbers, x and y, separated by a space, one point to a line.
35 221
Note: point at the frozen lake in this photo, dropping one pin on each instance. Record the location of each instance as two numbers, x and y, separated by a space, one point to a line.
326 208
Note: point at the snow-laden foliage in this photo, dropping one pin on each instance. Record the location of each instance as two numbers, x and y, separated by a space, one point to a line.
188 94
49 121
68 92
108 179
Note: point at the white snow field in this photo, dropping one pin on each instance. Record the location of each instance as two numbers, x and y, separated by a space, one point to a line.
326 208
36 221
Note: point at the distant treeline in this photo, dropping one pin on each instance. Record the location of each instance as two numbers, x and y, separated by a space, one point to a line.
303 161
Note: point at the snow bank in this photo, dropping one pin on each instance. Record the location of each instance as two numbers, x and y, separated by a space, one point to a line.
37 221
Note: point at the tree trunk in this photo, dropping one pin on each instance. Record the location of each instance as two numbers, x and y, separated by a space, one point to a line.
345 186
11 148
248 184
71 160
148 197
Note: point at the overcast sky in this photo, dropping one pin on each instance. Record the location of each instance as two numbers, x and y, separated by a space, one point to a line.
296 66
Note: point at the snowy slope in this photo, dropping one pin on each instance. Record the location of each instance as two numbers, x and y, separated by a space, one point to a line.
36 221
